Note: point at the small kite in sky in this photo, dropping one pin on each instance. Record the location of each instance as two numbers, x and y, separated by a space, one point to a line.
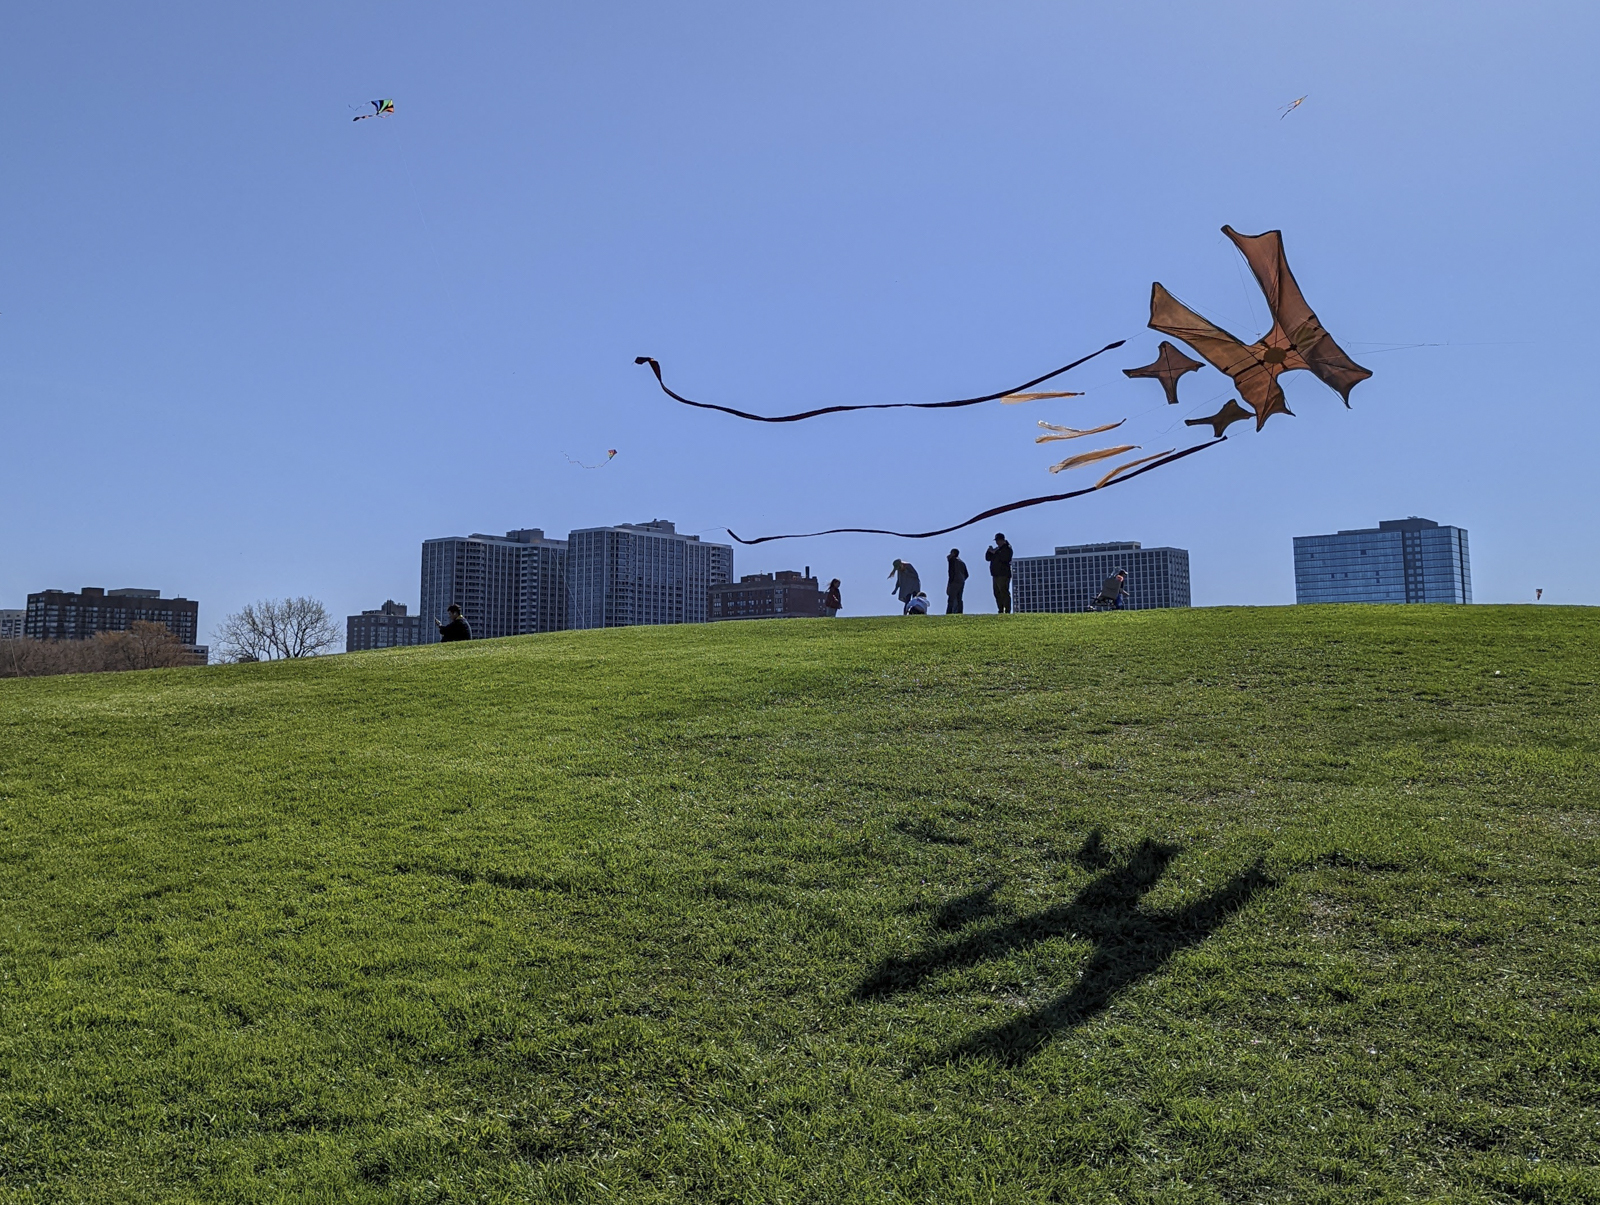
380 108
1291 107
1167 367
610 455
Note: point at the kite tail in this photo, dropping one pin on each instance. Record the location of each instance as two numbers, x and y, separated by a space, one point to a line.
655 367
988 514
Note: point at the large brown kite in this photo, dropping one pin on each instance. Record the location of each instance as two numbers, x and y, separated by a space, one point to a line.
1295 341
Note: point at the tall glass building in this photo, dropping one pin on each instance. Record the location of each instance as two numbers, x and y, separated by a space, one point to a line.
638 573
1398 561
507 585
1070 580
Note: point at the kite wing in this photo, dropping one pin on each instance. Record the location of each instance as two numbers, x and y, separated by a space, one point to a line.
1290 313
1232 412
1003 395
1168 366
1254 373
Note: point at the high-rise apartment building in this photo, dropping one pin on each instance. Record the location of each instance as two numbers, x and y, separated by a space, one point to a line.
782 595
507 585
64 615
638 573
12 621
1398 561
386 628
1070 580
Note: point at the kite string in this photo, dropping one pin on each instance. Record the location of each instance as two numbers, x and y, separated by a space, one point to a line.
440 275
655 367
988 514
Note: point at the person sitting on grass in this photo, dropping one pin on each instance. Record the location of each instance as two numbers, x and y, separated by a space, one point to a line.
457 628
918 604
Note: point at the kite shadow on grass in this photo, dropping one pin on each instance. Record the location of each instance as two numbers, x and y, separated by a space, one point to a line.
1130 943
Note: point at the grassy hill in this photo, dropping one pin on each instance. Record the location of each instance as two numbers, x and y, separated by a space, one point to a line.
1217 905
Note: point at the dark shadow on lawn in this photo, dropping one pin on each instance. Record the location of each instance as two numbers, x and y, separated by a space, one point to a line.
1129 943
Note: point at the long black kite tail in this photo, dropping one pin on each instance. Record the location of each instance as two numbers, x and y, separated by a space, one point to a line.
988 514
792 418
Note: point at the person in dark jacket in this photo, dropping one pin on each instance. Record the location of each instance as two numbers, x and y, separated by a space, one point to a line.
956 585
906 584
457 628
831 602
999 558
1113 590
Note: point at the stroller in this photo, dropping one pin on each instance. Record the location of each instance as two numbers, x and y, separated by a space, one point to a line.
1112 591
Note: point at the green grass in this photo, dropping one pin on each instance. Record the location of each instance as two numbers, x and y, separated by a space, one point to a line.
1222 905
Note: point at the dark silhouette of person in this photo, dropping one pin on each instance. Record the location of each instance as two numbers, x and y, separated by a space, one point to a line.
457 628
956 585
999 558
831 602
1113 590
906 583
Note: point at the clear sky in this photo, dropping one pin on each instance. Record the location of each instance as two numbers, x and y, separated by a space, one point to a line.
249 347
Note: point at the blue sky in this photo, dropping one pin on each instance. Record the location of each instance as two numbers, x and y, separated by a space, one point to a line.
249 347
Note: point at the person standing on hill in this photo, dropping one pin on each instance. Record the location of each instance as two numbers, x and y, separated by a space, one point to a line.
999 558
956 585
457 628
831 602
906 583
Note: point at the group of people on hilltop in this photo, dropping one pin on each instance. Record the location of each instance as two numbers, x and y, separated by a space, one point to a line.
907 588
908 584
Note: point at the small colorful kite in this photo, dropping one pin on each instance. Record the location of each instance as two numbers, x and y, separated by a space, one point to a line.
1291 107
610 455
380 108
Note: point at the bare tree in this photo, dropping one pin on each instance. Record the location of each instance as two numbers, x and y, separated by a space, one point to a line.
274 629
143 646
